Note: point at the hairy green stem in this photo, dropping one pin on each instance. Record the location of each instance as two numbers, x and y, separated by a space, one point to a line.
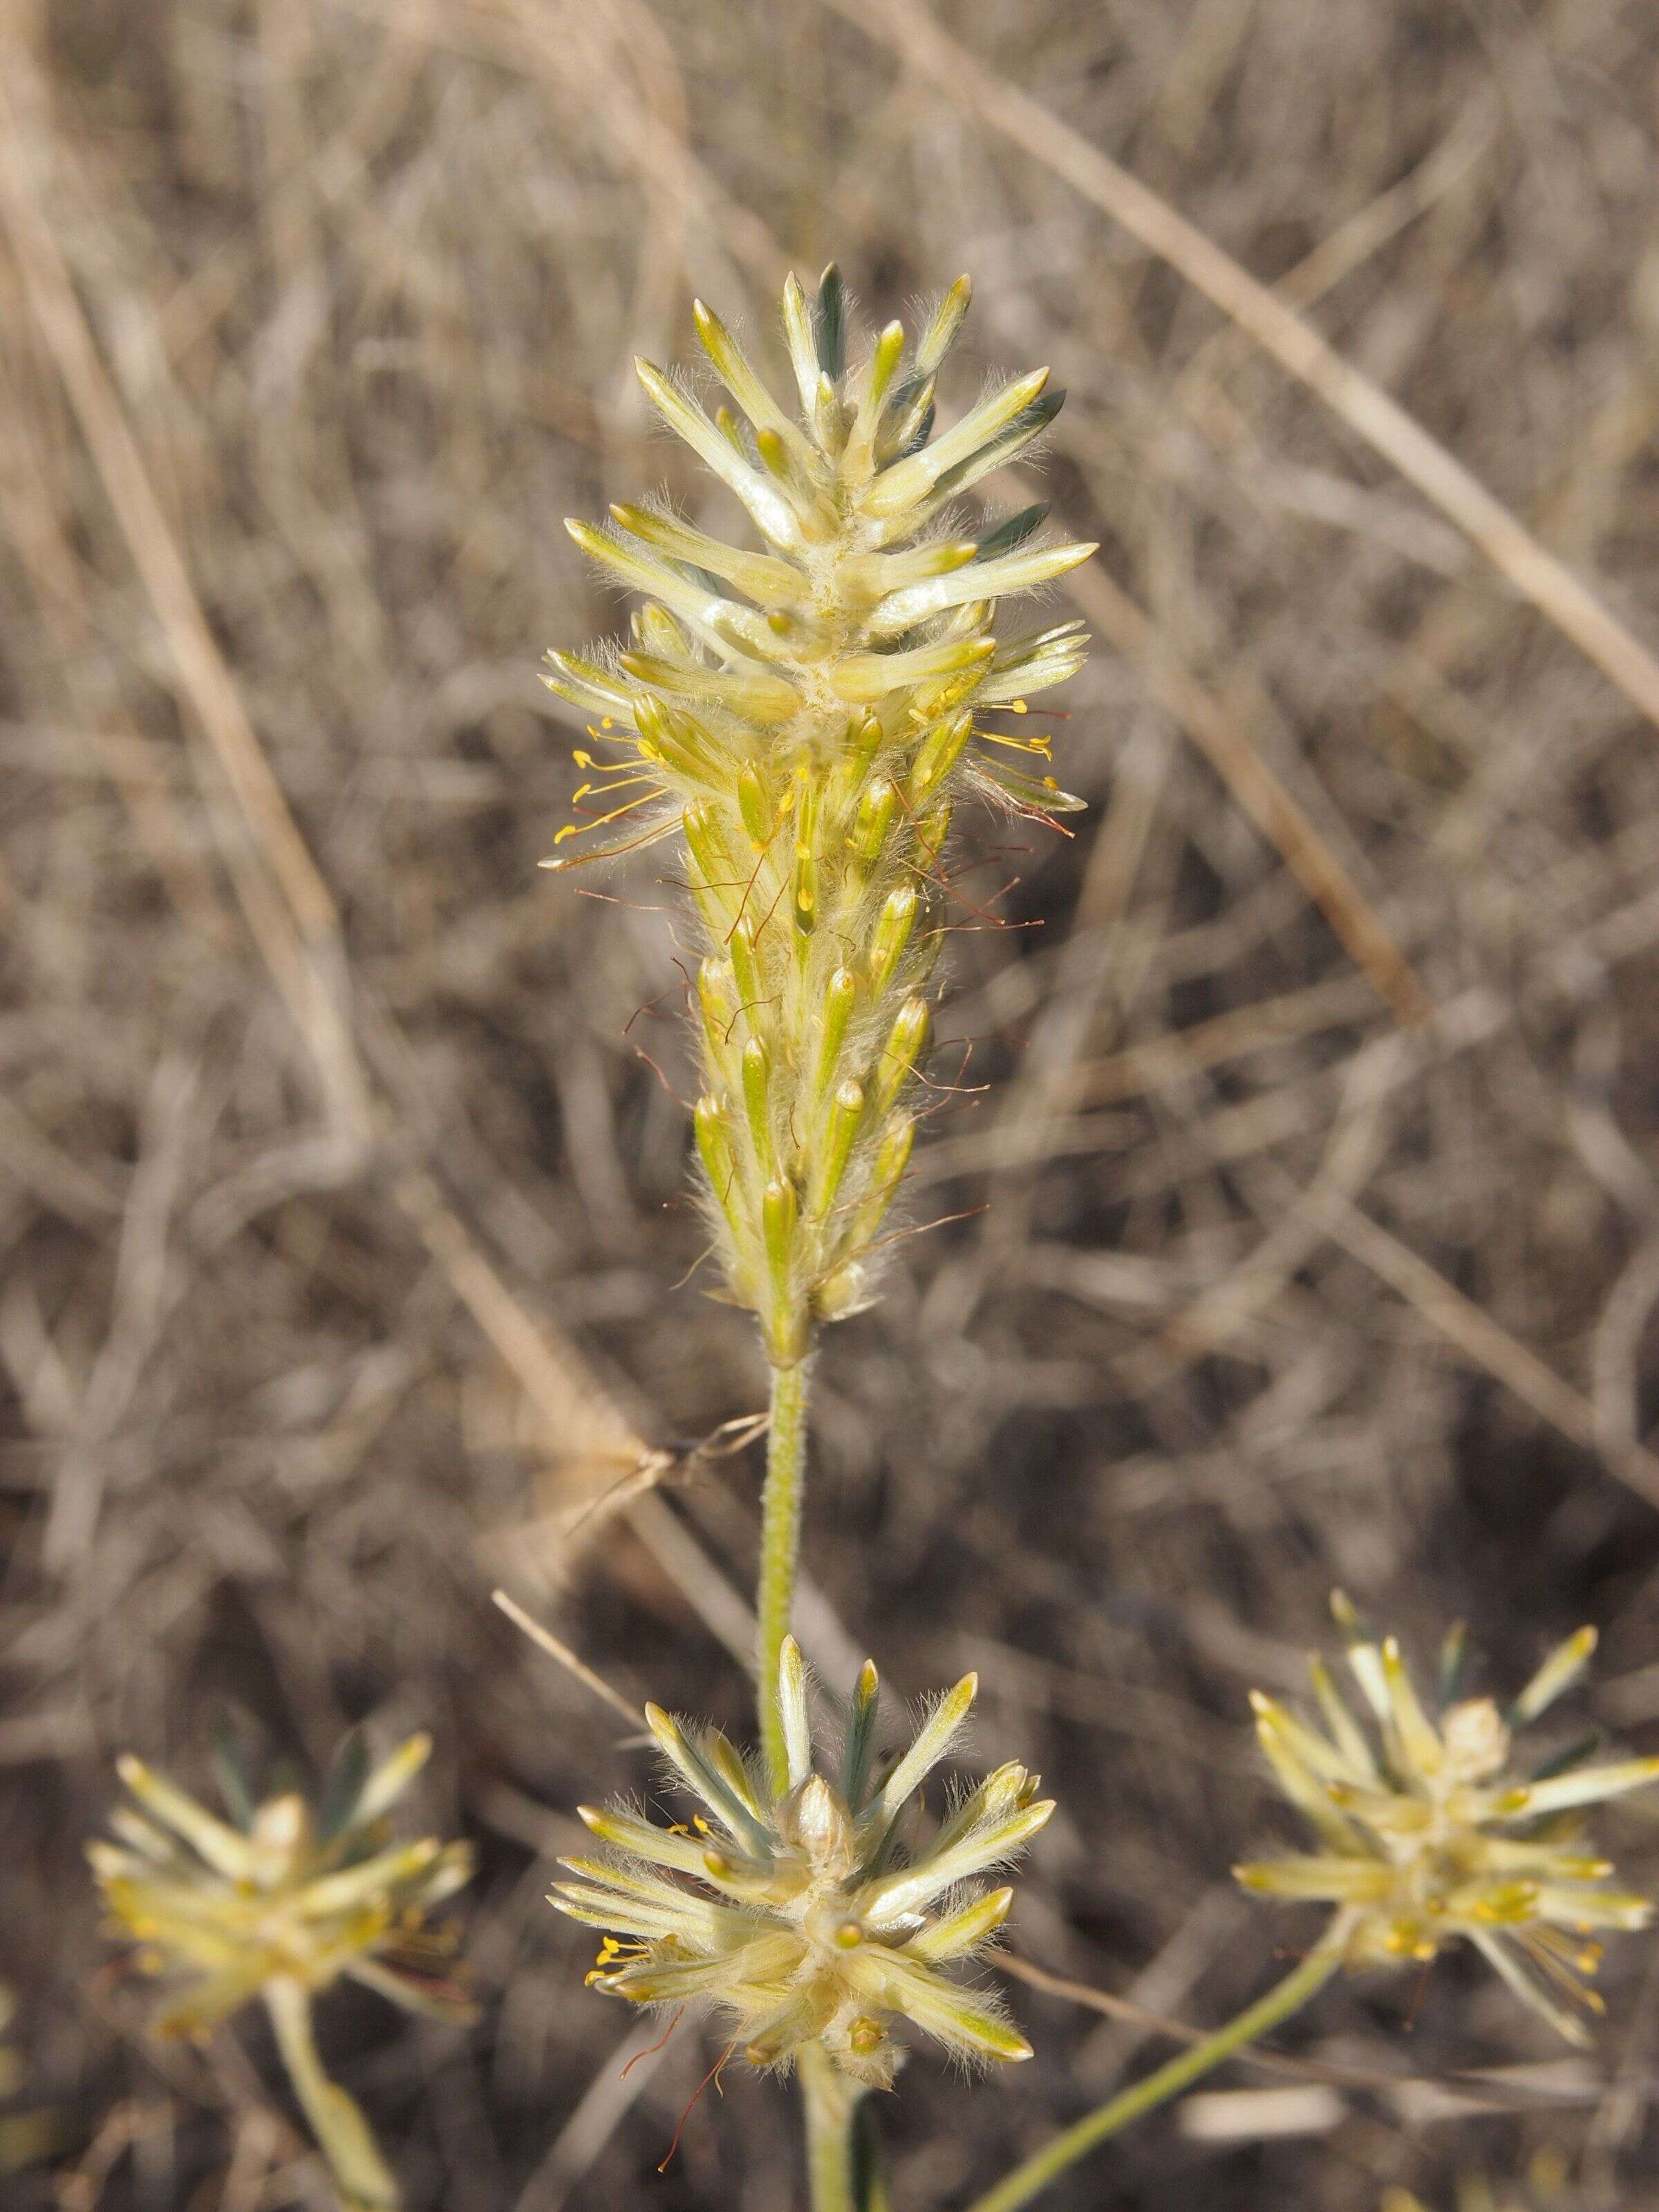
1045 2166
780 1552
829 2098
362 2176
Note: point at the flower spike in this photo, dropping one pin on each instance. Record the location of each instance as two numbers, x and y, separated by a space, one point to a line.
804 716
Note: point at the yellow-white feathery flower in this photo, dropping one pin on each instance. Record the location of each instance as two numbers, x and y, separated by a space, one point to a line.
818 1915
804 720
1428 1833
282 1891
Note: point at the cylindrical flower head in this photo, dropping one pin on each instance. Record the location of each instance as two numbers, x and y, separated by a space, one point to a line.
284 1888
815 1916
1429 1832
802 720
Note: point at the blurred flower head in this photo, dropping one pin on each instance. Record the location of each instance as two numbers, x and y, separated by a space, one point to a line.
818 1916
287 1887
1428 1830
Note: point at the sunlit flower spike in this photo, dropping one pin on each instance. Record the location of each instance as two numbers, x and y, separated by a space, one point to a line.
1427 1833
804 719
818 1916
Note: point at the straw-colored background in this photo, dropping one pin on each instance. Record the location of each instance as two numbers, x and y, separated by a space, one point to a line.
345 1252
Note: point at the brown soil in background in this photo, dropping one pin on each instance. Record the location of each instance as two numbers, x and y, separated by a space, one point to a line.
316 1152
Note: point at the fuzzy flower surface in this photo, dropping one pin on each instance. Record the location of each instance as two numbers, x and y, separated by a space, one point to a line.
815 1916
1429 1832
284 1890
802 720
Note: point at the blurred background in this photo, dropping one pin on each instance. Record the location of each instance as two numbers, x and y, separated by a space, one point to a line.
347 1266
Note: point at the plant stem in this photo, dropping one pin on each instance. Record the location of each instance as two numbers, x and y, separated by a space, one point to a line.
1047 2164
828 2097
780 1550
362 2176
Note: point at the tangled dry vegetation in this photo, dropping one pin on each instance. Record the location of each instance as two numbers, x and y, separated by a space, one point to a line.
347 1265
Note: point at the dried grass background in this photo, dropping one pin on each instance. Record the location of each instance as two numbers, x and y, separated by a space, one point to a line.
345 1245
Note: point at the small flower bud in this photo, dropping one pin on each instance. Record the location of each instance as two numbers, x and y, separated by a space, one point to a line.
873 821
939 754
904 1041
745 968
892 934
828 419
755 805
758 1099
846 1112
780 1216
714 874
717 1004
931 831
715 1145
893 1153
840 997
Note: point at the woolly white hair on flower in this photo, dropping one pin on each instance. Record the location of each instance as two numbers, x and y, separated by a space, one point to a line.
1427 1834
811 1917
